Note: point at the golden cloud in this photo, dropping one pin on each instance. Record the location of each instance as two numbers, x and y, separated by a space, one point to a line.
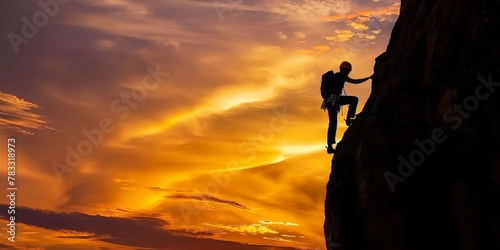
344 35
370 37
252 229
358 26
363 19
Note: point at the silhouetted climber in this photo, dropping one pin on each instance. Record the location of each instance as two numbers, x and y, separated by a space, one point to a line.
332 85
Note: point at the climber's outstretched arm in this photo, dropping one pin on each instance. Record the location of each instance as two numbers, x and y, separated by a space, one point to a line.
356 81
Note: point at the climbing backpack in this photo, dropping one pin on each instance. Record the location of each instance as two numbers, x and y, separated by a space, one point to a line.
327 84
327 90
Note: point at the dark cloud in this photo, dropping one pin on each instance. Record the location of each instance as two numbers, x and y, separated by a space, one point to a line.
135 232
166 190
75 237
206 197
2 246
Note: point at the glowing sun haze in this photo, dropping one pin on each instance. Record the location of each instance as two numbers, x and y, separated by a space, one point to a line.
177 124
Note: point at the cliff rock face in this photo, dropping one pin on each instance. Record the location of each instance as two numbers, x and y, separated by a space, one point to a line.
420 167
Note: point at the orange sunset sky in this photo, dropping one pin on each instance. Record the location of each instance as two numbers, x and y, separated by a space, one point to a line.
175 124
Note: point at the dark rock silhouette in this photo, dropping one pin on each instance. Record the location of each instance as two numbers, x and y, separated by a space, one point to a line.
420 168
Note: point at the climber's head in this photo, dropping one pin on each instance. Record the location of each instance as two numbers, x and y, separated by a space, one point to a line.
345 67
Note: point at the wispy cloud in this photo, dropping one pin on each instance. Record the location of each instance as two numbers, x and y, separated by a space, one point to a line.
206 197
392 10
254 228
310 10
74 236
18 114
